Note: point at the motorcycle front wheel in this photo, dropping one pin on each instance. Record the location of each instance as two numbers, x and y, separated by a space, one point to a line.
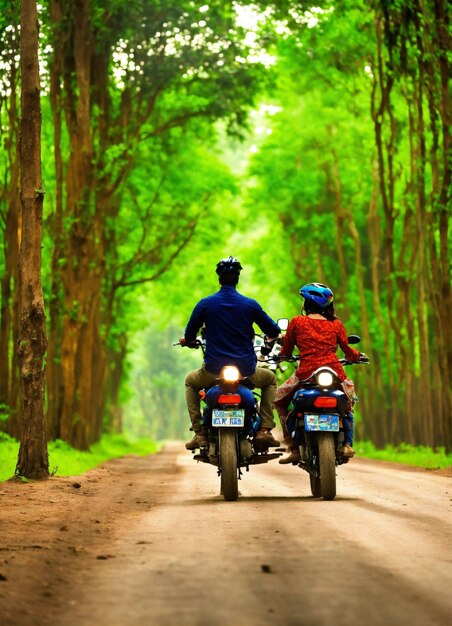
228 464
327 463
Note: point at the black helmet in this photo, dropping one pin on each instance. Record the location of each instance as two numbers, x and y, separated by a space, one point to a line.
231 265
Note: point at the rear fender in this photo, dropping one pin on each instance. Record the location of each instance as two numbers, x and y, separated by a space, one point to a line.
248 400
304 400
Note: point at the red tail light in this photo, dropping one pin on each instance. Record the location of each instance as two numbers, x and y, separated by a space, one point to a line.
325 402
229 398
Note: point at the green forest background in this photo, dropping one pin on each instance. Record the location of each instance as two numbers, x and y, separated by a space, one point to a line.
310 140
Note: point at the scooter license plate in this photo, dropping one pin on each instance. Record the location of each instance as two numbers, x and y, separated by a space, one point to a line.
328 422
234 418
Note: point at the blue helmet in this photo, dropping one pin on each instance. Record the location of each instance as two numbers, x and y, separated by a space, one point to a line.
318 293
231 265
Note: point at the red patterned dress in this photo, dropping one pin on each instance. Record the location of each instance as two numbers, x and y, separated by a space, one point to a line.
317 340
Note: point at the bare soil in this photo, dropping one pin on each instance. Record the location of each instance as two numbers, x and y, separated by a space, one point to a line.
149 541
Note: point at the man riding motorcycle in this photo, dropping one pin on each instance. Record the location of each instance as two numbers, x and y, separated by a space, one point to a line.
228 317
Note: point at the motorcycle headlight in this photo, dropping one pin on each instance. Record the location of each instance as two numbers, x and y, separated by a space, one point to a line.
325 379
231 374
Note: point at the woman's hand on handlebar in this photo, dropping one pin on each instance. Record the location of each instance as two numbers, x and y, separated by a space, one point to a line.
283 357
363 359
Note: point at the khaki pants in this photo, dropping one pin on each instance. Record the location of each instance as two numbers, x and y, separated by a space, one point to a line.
262 378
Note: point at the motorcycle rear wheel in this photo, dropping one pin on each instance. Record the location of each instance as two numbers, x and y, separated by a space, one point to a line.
228 464
315 486
327 462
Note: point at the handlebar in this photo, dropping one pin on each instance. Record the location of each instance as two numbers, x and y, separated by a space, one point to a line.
267 357
362 360
197 343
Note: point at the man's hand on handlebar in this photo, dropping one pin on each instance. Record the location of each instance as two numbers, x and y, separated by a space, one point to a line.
269 342
279 339
189 344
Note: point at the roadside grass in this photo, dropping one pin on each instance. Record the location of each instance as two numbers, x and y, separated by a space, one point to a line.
66 461
419 456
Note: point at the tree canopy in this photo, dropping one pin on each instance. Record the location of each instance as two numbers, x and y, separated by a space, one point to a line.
311 140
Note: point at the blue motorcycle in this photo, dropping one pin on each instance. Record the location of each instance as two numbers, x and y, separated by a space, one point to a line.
316 424
231 421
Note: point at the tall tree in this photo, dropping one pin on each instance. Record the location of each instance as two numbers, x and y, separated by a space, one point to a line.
33 458
411 65
377 185
129 75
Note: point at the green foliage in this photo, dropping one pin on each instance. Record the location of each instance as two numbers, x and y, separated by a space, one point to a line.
321 175
66 461
311 136
72 462
164 199
4 412
174 189
420 456
157 408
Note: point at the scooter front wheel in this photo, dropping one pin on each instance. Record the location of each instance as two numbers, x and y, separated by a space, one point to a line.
228 464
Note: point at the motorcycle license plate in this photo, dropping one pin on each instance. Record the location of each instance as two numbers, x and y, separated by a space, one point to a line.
233 417
329 422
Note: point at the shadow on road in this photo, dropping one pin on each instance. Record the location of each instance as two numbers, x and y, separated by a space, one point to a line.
246 499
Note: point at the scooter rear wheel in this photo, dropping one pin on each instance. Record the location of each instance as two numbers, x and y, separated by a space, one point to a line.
228 464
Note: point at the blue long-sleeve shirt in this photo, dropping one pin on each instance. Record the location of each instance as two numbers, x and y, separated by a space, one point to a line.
229 317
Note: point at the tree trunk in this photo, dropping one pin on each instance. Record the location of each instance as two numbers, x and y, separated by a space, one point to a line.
54 385
9 310
443 40
375 426
80 278
33 457
335 187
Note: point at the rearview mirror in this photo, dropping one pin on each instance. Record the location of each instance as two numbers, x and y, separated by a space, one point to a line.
353 339
283 323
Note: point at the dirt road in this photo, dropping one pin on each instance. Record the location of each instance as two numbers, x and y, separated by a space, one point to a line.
148 542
